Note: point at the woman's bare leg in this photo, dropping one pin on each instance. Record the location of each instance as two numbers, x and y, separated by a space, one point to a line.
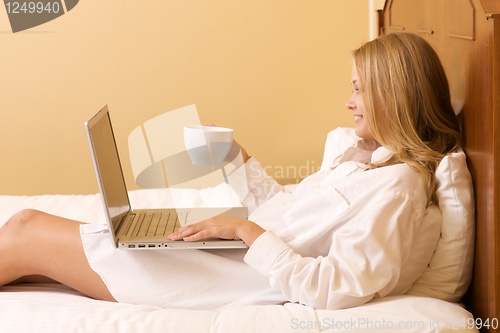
34 245
33 279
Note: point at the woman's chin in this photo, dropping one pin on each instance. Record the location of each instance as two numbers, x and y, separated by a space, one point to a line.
363 133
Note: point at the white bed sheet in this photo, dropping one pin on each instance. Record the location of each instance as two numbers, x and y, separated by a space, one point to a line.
55 308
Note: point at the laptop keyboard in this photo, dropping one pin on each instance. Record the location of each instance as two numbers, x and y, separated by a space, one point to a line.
154 224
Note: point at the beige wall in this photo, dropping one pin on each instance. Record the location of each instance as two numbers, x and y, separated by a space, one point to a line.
276 71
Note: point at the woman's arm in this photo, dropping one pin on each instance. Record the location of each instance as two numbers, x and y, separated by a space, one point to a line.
259 186
379 250
225 228
244 153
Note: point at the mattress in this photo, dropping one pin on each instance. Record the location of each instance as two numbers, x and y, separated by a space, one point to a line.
56 308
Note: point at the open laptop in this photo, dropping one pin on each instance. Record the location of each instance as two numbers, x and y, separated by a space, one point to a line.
142 229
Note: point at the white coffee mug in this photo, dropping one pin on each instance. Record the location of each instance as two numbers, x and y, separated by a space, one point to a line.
208 145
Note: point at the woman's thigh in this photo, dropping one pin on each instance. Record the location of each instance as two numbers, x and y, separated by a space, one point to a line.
33 243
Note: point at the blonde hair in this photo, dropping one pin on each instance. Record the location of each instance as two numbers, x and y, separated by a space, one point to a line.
407 102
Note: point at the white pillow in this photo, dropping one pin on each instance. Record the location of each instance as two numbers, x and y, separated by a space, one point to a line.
449 272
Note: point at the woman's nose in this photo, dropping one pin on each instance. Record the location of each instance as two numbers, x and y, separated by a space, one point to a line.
349 105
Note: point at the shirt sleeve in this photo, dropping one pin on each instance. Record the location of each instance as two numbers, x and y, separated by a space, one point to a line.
365 258
261 186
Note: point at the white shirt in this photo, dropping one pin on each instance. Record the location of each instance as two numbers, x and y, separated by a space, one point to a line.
345 234
338 239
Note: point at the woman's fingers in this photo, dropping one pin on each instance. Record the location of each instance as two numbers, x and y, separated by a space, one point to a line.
217 228
225 228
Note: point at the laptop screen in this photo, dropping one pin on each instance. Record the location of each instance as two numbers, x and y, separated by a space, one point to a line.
107 165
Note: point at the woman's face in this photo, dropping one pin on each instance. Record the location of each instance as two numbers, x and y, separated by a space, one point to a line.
356 105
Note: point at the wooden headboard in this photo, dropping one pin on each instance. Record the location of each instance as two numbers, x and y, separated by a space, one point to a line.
466 35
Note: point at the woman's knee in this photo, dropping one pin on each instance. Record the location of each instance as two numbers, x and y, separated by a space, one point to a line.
19 222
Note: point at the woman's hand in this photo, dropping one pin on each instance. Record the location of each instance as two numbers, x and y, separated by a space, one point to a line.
219 227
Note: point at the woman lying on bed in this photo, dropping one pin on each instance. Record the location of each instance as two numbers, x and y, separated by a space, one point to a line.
353 231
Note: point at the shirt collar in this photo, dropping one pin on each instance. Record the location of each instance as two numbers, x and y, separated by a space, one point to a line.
365 151
379 153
